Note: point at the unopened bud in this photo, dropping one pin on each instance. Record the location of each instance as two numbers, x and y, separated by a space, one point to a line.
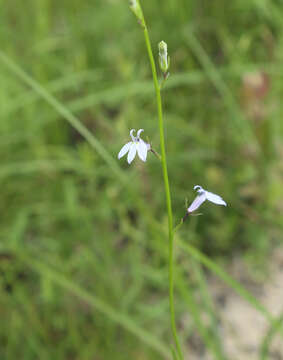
164 60
136 9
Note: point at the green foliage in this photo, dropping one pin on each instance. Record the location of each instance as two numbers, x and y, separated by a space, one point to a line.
82 236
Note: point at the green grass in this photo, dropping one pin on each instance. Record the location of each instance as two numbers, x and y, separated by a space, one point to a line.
83 244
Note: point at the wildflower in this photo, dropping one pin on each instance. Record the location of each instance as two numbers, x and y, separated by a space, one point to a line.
136 145
205 195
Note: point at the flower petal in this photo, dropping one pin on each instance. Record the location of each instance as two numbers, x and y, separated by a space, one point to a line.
139 133
142 150
131 134
132 152
216 199
198 188
124 150
197 202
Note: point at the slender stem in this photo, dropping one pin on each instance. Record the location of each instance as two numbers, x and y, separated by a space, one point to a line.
179 225
156 154
166 186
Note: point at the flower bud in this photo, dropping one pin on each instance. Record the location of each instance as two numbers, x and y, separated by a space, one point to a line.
164 60
136 9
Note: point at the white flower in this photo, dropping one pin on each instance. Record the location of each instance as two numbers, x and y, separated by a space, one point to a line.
136 145
205 195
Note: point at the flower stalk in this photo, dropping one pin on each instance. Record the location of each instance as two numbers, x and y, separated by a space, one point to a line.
140 16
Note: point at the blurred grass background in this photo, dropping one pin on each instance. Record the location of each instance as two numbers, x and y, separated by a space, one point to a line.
83 261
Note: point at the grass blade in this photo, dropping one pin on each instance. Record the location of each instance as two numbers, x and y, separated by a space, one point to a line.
112 314
64 112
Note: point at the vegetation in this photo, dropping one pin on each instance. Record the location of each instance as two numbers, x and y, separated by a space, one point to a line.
83 236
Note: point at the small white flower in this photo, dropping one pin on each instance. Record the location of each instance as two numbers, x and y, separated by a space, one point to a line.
205 195
137 145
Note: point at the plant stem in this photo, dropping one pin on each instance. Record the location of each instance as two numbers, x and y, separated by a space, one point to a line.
166 186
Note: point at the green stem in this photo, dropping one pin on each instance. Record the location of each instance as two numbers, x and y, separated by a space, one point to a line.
166 186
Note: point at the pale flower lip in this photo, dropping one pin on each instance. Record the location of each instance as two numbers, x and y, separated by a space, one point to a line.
137 145
202 196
